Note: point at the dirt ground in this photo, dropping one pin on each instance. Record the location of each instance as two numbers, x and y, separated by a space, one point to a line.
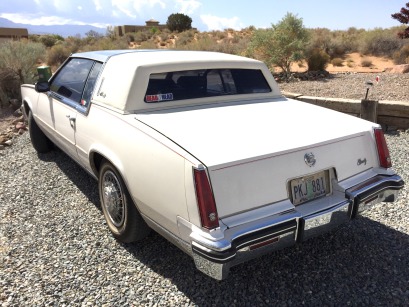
353 63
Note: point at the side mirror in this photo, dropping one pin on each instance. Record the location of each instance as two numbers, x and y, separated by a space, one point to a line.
42 87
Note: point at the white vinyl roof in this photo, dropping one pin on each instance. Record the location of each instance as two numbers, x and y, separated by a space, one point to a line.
124 79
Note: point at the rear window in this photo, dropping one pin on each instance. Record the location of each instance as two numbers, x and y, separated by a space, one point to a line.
188 84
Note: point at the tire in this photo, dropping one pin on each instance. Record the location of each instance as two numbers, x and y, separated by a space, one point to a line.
39 140
121 214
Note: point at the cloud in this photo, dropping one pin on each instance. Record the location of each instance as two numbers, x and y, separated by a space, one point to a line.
188 6
219 23
46 20
98 6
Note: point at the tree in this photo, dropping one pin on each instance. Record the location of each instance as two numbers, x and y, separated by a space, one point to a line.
282 44
403 17
179 22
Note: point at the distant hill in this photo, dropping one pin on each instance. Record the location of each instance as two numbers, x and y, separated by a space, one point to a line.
65 30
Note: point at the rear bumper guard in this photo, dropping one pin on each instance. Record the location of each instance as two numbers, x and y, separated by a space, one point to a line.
296 228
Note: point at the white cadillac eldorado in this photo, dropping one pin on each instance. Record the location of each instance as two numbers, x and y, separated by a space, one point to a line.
203 148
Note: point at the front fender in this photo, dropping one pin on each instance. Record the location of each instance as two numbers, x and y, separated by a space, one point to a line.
29 98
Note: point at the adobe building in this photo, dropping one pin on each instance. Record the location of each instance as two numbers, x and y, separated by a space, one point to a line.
12 34
152 23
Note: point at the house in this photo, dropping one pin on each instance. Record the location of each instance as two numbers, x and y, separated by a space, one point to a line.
122 30
12 34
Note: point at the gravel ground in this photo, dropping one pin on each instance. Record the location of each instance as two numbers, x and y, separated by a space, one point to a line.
55 249
392 87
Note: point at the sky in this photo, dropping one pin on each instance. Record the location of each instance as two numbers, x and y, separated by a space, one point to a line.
207 15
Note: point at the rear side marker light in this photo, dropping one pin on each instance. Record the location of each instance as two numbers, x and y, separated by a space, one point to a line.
383 151
205 200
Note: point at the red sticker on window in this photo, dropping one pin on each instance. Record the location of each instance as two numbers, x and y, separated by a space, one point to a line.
159 97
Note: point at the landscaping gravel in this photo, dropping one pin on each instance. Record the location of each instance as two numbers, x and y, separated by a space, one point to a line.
56 250
392 87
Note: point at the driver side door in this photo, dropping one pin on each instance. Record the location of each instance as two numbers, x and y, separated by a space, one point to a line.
58 108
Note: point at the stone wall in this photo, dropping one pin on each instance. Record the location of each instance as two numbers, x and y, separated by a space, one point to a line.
394 114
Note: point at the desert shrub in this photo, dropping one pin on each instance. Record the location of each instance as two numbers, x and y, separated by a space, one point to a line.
130 37
51 40
402 55
148 45
350 63
18 61
337 62
57 55
73 43
317 59
366 62
185 38
380 42
142 36
282 44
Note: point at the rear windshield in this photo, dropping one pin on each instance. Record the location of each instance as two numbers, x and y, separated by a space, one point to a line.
188 84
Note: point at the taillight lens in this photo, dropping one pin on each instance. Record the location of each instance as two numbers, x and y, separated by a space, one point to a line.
383 151
205 200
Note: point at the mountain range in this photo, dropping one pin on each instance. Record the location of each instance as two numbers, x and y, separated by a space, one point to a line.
63 30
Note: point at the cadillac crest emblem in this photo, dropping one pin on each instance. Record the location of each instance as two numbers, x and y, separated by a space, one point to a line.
309 159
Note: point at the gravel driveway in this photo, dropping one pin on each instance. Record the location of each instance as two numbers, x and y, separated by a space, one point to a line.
55 249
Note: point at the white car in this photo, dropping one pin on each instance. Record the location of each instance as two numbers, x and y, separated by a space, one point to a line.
203 148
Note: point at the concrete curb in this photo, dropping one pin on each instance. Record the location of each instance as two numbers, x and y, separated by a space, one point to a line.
390 113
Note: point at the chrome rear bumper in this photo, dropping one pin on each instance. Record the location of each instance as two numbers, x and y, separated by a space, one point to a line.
276 232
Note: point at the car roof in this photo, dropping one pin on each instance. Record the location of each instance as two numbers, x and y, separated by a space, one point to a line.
151 56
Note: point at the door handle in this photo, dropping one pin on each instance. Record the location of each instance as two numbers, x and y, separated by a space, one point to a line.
71 119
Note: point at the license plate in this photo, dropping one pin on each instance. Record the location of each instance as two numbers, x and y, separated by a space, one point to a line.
310 187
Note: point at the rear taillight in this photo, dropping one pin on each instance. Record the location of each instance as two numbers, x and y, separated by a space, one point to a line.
383 151
205 200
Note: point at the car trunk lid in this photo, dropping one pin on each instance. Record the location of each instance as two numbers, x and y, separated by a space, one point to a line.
253 150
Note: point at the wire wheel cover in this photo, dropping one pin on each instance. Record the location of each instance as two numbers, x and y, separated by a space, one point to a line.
113 198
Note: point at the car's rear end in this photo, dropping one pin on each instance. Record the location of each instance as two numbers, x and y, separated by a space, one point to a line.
280 172
261 171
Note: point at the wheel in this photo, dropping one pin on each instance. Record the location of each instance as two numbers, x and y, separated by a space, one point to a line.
39 140
121 214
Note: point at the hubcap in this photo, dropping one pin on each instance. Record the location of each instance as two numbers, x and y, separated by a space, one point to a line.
113 199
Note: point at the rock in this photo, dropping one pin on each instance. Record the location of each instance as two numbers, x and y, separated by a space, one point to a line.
20 125
8 142
2 147
18 120
2 139
400 69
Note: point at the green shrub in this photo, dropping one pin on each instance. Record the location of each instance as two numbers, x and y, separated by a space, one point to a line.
402 55
337 62
57 55
317 59
366 63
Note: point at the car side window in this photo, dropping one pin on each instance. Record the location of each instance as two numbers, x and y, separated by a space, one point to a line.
90 84
70 80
